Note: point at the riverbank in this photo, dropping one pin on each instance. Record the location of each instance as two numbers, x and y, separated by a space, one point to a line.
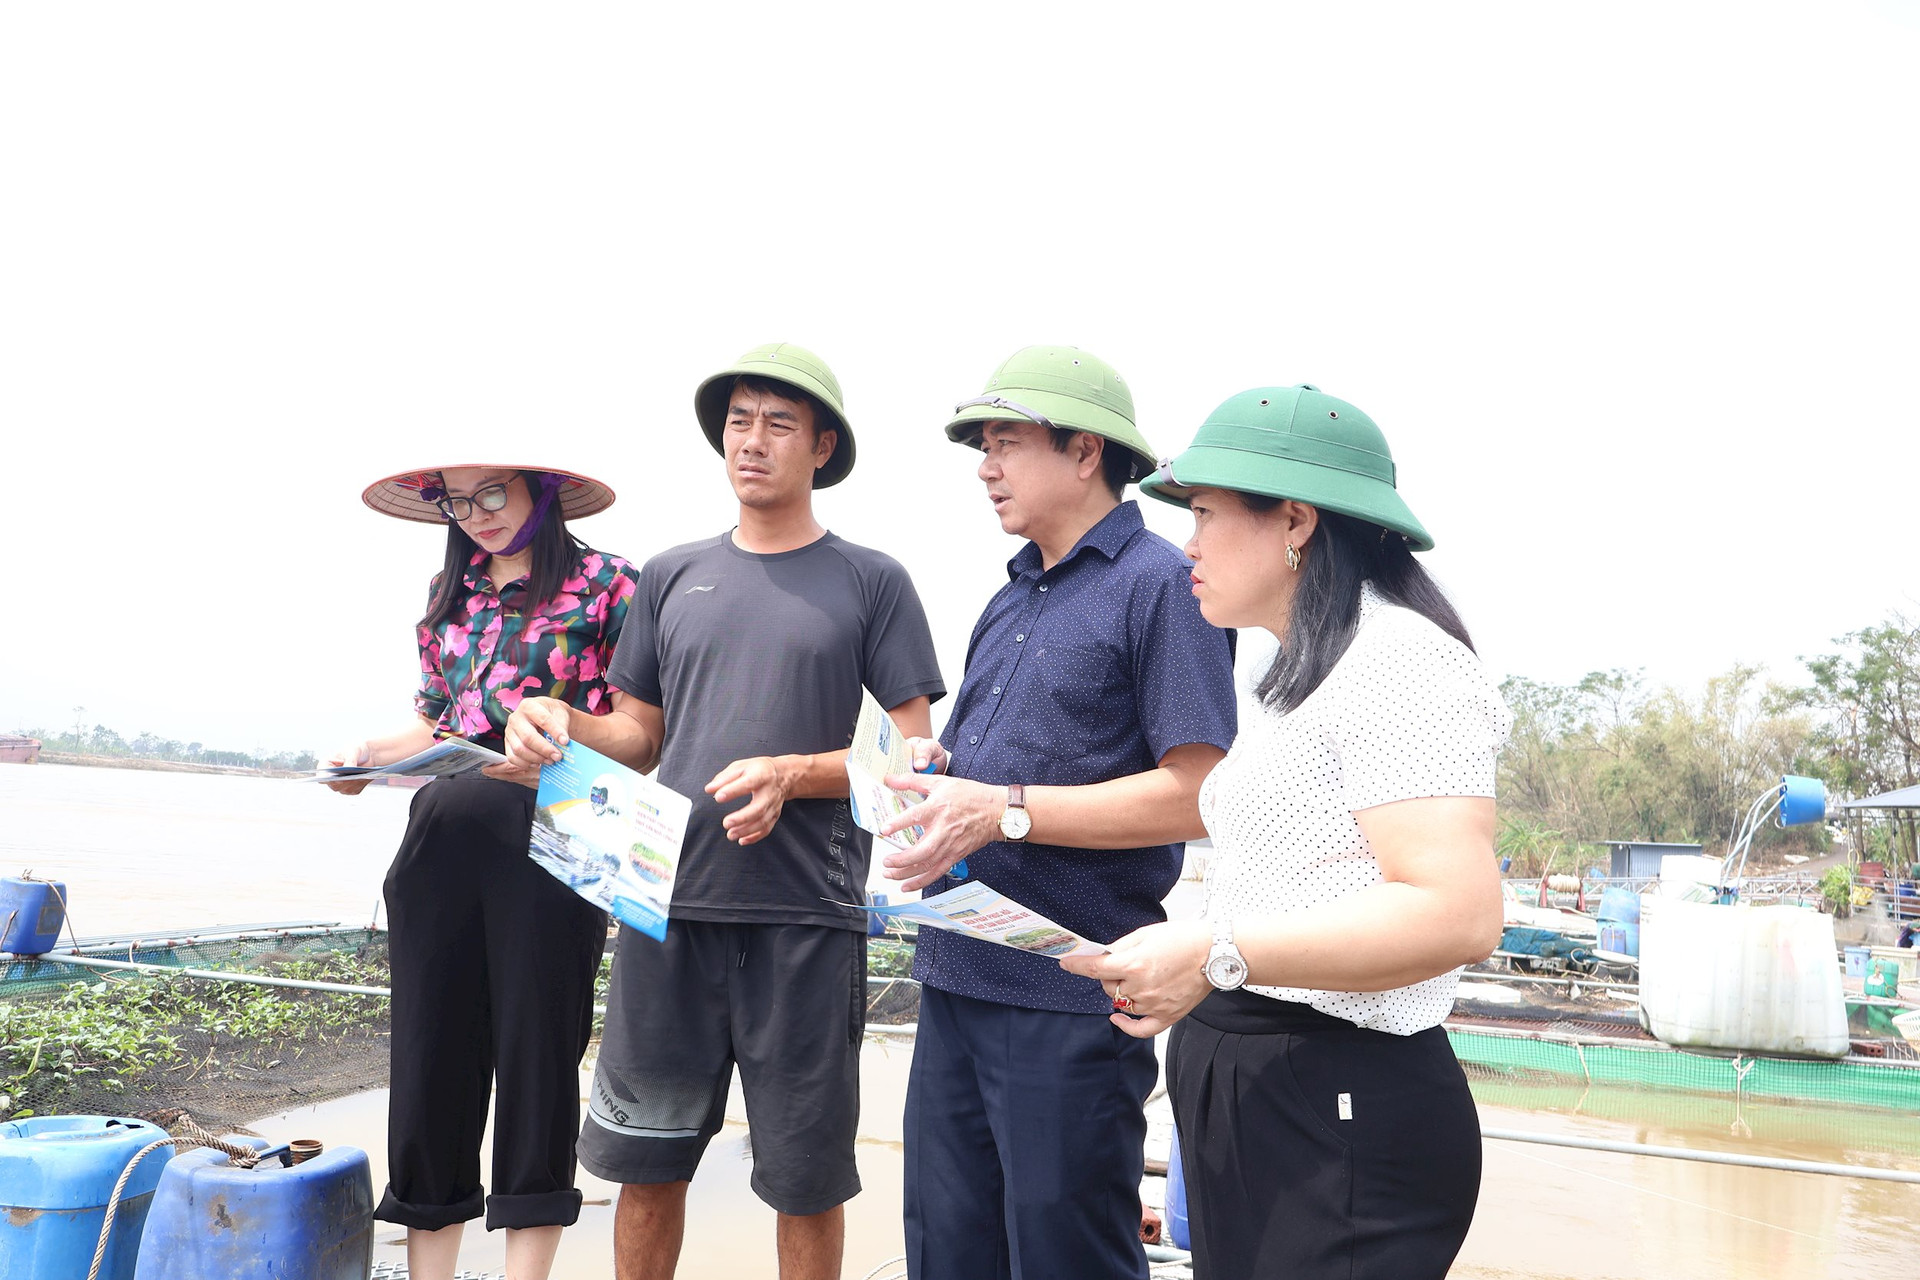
146 765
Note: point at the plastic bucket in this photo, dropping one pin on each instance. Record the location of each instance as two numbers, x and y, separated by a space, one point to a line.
1857 958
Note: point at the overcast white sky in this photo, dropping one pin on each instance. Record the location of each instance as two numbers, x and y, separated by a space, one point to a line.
1633 290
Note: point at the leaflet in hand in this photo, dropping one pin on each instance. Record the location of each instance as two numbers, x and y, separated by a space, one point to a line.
983 913
441 760
879 749
611 835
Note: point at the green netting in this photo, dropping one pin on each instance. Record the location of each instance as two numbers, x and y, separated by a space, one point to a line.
23 977
1492 1057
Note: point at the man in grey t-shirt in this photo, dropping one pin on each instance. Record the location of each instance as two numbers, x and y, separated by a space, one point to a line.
739 673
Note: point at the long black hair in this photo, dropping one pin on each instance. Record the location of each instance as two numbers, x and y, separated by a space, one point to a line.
1343 553
555 553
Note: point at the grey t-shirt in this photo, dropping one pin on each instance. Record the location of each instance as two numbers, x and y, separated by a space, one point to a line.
756 655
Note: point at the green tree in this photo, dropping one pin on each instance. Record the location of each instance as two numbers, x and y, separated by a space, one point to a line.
1607 759
1866 701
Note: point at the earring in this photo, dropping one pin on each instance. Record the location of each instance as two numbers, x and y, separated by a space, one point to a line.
1293 558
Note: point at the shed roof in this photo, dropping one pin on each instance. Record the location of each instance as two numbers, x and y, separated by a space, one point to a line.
1904 798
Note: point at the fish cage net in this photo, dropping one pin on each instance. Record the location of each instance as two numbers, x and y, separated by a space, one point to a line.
1853 1104
163 1047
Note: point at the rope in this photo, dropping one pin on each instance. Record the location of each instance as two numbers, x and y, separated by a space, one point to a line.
195 1136
66 913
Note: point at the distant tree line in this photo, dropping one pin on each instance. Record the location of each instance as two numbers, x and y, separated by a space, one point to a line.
1607 758
103 741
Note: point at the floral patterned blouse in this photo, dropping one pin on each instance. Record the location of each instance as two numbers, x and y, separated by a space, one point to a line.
477 666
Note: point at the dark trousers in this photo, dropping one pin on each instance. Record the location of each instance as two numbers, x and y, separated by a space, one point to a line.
1314 1149
1025 1137
493 969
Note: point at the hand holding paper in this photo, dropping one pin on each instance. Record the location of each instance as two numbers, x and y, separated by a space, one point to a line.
877 751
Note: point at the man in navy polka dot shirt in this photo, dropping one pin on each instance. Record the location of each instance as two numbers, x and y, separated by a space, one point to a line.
1095 701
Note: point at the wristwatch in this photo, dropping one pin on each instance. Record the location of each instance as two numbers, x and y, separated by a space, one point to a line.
1226 968
1015 821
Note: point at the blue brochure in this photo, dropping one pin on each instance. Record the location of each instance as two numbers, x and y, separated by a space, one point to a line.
611 835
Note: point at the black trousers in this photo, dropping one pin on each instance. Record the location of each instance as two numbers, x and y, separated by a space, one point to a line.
493 968
1314 1149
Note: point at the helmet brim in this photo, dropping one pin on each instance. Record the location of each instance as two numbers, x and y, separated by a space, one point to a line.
1067 412
1244 471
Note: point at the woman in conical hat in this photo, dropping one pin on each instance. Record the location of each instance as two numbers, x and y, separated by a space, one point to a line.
493 959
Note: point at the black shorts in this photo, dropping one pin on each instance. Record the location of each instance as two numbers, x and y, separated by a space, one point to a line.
787 1003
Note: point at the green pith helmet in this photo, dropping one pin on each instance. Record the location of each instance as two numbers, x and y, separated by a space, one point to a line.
1060 387
1293 442
797 367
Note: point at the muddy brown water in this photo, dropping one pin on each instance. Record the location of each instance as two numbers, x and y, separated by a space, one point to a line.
1546 1213
146 851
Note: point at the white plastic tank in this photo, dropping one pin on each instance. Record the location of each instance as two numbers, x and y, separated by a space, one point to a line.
1760 979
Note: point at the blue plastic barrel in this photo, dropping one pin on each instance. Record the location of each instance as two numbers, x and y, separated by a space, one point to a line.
310 1221
1177 1199
32 913
56 1176
1620 904
1802 800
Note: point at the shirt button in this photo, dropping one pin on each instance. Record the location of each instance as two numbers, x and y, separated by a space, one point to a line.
1018 638
974 741
996 688
1043 588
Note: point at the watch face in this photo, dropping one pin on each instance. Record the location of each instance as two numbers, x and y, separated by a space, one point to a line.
1227 972
1014 823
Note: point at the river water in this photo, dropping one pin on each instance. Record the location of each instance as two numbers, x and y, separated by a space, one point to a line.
152 851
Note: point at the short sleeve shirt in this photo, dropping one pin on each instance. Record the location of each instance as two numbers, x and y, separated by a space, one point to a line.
1086 672
497 649
755 655
1407 712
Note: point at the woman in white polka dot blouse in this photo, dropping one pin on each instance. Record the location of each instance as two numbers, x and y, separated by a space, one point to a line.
1325 1124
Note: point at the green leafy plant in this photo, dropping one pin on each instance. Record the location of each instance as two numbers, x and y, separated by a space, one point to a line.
1836 886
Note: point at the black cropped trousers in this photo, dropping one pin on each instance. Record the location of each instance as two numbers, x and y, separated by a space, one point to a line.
1314 1149
493 968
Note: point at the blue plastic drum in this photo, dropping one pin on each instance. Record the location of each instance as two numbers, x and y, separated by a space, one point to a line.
1620 905
56 1176
32 913
310 1221
1802 800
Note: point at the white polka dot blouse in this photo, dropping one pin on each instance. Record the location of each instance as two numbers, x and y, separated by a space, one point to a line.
1407 712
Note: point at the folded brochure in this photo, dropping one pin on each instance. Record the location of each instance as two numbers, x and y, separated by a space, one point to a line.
991 916
611 835
877 750
441 760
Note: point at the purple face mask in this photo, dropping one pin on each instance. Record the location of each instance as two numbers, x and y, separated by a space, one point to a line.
547 485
